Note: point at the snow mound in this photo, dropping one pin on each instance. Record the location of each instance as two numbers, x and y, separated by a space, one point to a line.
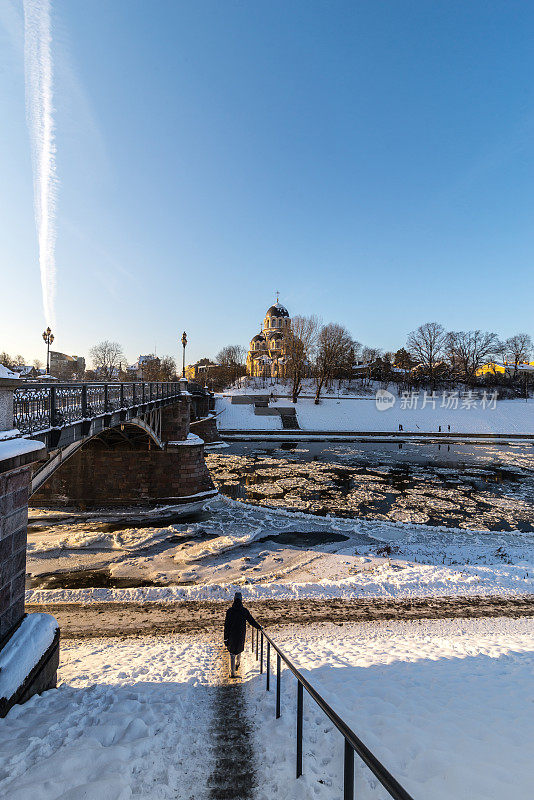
130 718
24 650
5 372
11 448
423 561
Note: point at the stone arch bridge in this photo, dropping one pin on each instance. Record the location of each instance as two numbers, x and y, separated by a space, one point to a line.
119 443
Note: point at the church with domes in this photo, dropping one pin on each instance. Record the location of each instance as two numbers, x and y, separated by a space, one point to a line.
266 357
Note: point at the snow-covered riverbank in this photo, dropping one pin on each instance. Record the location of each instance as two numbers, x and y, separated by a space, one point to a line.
441 703
130 718
277 554
361 414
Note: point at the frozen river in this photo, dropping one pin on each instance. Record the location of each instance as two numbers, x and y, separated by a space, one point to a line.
487 487
309 520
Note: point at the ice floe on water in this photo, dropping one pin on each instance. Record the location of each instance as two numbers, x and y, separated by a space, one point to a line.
489 494
303 525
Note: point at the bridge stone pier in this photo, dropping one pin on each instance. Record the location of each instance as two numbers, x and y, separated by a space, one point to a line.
124 465
207 429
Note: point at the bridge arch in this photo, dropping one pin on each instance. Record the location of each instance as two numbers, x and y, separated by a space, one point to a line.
135 434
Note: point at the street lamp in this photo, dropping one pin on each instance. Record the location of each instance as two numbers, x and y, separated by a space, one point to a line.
184 343
48 336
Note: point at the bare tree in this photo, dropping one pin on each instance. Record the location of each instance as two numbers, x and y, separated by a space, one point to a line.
369 358
7 361
403 360
37 363
370 354
159 369
426 346
232 360
151 369
356 351
500 352
167 369
298 347
10 362
107 357
468 350
383 367
231 354
335 353
518 349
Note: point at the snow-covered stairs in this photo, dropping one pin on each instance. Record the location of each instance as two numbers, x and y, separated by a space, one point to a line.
233 774
289 419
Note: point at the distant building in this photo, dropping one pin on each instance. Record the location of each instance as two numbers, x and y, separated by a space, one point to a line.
144 366
66 367
504 368
361 369
266 358
200 369
27 372
205 371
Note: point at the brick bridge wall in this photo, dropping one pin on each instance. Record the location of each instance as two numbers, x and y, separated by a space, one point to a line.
96 476
175 420
200 406
14 491
93 477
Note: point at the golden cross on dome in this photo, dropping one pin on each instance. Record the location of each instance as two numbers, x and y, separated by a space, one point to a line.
277 296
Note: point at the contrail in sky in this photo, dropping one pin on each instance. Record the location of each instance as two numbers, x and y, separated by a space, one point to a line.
40 118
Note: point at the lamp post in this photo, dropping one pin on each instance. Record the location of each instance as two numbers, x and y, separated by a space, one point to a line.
184 343
48 336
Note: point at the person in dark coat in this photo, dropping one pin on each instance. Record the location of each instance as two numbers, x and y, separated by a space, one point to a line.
235 628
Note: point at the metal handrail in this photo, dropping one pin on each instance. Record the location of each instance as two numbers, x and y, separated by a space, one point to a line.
353 744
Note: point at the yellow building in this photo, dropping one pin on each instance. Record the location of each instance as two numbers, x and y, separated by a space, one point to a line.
504 368
265 358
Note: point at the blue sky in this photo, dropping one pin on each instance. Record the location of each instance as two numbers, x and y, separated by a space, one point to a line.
373 161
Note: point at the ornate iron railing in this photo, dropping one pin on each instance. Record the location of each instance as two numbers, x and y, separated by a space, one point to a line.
352 743
39 407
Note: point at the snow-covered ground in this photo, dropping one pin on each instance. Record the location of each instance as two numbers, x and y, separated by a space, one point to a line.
444 704
24 650
265 553
258 386
361 414
130 718
242 417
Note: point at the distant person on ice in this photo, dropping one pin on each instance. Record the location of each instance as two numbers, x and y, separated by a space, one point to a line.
235 627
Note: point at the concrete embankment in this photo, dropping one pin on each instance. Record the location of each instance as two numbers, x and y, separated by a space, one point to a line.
373 436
